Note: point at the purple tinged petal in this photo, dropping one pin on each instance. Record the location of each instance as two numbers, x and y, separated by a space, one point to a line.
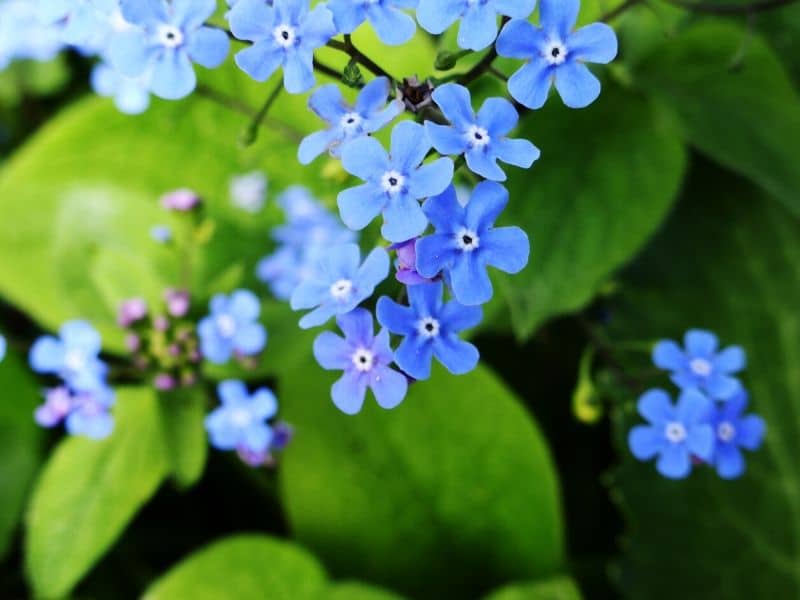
645 441
700 343
595 43
668 355
260 60
358 206
208 47
531 84
389 386
447 140
576 85
395 317
332 351
559 16
457 356
655 406
506 249
435 16
257 437
674 461
414 356
348 393
173 76
456 103
430 179
729 461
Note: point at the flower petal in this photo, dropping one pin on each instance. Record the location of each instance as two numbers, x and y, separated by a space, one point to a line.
252 20
414 357
729 461
208 47
232 390
498 116
530 85
668 355
750 432
358 206
389 387
447 140
260 60
655 406
506 249
730 360
173 76
250 339
357 327
430 179
674 461
455 102
393 26
519 39
457 356
576 85
559 16
470 280
700 343
435 253
595 43
488 201
395 317
348 393
435 16
365 158
409 146
332 351
403 218
645 441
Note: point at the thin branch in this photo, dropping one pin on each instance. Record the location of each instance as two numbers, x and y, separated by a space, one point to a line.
251 132
350 49
327 70
616 12
711 8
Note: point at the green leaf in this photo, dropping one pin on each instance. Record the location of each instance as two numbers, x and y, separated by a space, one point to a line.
254 567
557 588
457 479
182 415
20 443
88 492
729 262
352 590
735 101
606 180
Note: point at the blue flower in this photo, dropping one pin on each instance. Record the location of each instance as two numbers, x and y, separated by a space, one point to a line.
73 356
240 423
430 328
131 94
3 347
341 285
172 36
393 26
161 234
365 360
232 327
734 431
89 25
370 114
394 184
482 138
249 191
23 35
86 413
700 365
466 242
285 34
675 433
555 53
478 19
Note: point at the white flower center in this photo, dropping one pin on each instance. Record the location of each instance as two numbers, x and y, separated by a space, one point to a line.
351 121
363 360
467 240
726 431
675 432
478 137
341 289
555 52
392 182
240 417
75 360
226 325
285 36
701 367
428 327
170 36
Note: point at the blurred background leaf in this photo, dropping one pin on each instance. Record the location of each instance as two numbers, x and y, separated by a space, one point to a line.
729 261
557 588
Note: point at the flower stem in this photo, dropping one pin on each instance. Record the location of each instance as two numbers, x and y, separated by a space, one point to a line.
250 134
350 49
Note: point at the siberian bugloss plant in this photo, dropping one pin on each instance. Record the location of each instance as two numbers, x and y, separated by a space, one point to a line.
448 176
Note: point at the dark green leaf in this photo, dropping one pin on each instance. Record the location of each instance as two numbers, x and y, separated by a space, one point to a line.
182 415
20 442
457 479
88 492
729 262
735 101
607 177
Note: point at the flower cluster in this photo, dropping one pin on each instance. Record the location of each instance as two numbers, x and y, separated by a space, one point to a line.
707 425
82 399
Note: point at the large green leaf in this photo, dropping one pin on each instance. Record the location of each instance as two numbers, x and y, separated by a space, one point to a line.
729 262
254 567
607 177
88 492
735 100
182 415
20 442
249 566
557 588
457 479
